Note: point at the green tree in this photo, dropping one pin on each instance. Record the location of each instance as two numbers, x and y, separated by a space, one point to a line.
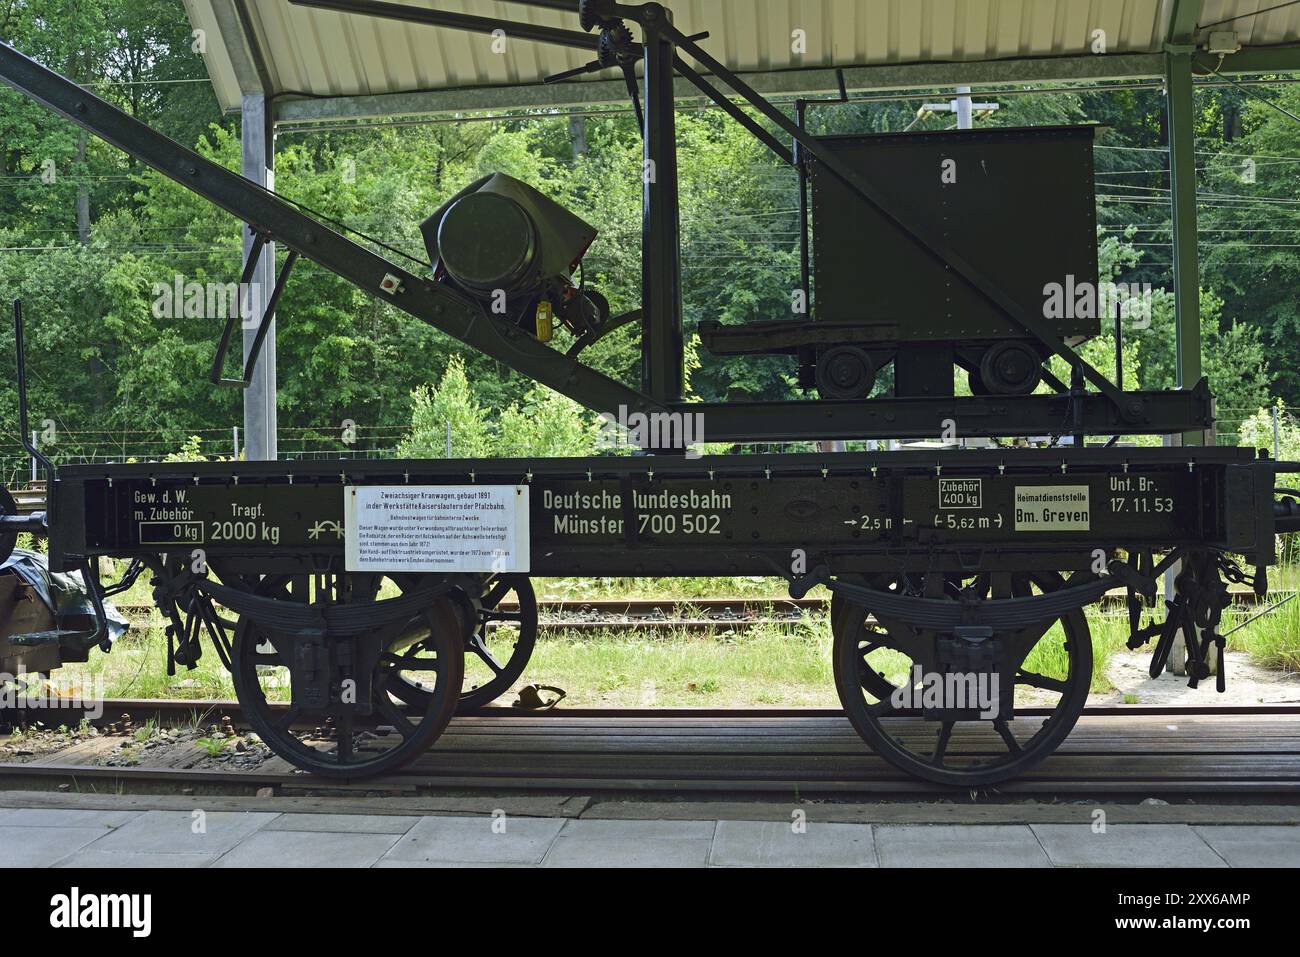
1248 247
1234 358
448 414
545 424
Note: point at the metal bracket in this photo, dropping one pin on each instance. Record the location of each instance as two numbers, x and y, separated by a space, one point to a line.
263 327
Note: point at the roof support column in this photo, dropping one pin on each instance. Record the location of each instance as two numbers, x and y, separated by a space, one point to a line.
1182 182
1180 45
257 137
662 369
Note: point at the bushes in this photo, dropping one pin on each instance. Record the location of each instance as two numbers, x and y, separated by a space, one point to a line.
446 420
545 424
548 424
1257 432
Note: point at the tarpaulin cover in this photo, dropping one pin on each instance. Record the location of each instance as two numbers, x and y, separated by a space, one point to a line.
64 594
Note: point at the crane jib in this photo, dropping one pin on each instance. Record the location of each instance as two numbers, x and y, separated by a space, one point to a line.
280 221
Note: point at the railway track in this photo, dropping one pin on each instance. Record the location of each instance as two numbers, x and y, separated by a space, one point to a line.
1201 753
652 616
648 608
692 615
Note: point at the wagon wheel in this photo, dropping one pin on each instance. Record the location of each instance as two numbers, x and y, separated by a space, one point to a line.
847 614
365 735
1054 659
498 651
499 646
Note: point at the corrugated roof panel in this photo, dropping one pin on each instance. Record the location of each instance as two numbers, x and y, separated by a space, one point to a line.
1271 26
940 29
326 53
216 53
1075 20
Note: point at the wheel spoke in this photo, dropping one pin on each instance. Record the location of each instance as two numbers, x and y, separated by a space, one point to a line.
902 638
476 645
1022 642
1035 680
1003 729
343 728
941 746
389 709
499 590
882 708
286 720
413 664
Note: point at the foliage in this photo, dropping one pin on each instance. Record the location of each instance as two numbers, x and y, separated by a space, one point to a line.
1257 432
548 424
1233 358
447 421
190 451
1251 261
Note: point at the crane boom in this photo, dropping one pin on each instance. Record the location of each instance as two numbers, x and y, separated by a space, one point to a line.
279 221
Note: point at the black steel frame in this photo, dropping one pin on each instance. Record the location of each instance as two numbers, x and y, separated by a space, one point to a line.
788 494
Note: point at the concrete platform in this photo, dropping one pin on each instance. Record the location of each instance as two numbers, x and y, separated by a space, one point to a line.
103 831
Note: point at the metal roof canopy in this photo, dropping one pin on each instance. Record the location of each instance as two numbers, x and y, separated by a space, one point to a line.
319 65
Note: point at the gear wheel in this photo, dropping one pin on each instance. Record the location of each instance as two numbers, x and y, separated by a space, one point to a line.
591 14
615 45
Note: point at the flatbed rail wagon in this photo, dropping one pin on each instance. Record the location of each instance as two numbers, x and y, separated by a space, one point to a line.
358 590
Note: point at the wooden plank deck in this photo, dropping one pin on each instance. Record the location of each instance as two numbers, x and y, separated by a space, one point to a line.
1120 754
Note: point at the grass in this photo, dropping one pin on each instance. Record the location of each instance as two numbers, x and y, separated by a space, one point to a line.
214 746
1273 640
753 587
137 668
786 665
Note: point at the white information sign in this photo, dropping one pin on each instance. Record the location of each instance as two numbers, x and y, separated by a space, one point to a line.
1052 508
436 528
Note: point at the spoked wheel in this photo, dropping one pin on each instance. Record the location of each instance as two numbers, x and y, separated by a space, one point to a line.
343 720
498 646
1045 666
498 650
844 613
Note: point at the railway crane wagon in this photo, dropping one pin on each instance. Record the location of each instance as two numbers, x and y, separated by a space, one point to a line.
346 597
